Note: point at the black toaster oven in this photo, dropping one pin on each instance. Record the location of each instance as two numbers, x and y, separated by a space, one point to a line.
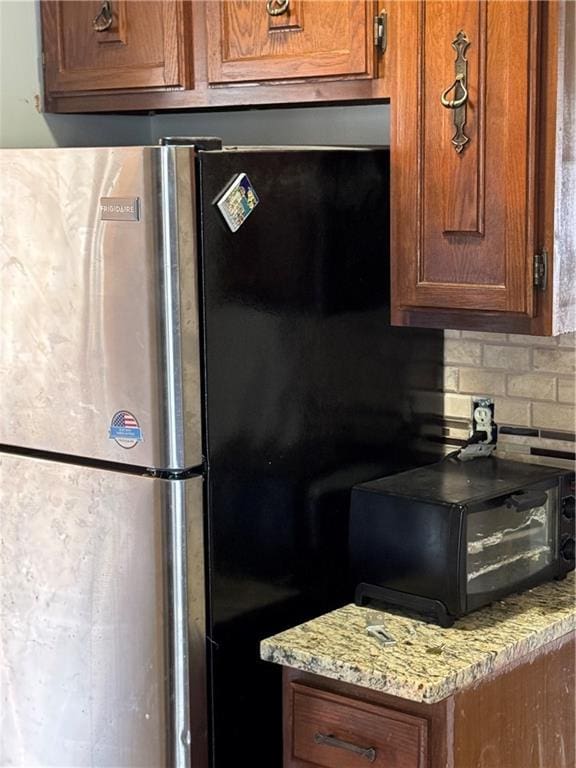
451 537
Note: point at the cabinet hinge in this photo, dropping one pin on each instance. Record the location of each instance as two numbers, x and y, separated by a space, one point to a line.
381 31
541 269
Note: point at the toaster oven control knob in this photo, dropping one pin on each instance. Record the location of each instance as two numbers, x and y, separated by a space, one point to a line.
567 549
568 506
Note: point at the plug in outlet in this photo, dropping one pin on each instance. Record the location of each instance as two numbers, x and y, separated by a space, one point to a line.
482 440
483 419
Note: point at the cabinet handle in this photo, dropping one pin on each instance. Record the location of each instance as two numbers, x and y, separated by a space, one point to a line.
458 103
103 20
330 741
455 103
277 7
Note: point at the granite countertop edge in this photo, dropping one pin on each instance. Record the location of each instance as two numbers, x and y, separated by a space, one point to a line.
327 666
427 663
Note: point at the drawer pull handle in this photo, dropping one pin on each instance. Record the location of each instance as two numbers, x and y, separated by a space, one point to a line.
277 7
330 741
103 20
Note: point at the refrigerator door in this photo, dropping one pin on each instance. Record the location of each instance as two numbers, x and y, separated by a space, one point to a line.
296 316
99 313
101 573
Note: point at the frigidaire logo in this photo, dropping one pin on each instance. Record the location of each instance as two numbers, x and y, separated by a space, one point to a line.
120 208
117 209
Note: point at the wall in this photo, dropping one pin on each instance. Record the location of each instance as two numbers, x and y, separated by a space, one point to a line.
312 125
21 123
532 382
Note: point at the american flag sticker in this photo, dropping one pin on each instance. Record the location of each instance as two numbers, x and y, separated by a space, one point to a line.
125 430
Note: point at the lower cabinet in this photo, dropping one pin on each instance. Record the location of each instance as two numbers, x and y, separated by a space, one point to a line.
519 717
330 729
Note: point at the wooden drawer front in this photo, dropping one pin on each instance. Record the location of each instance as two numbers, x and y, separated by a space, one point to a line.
389 739
143 48
313 39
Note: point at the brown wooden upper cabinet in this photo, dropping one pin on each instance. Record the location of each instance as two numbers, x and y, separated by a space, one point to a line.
480 175
113 45
108 55
288 40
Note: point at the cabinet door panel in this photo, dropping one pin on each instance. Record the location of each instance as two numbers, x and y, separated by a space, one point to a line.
142 48
336 731
312 39
463 229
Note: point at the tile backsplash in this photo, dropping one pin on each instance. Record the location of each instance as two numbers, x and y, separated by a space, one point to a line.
531 380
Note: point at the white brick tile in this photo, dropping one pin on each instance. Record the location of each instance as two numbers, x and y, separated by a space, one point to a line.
462 352
507 441
530 378
554 416
494 338
558 360
514 412
553 461
533 386
567 340
567 389
533 341
514 448
459 434
544 460
457 406
509 358
451 378
477 381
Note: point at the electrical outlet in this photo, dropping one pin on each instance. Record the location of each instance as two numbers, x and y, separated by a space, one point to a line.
484 431
483 420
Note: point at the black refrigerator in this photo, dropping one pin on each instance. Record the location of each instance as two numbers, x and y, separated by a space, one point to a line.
308 390
196 366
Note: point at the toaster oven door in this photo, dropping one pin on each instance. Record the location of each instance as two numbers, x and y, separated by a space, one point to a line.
511 541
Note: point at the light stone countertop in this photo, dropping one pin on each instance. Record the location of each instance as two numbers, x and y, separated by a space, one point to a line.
427 663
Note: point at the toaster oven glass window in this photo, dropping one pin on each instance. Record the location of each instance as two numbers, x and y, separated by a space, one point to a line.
512 541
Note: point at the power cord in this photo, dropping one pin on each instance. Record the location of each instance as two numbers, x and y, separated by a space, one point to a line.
475 438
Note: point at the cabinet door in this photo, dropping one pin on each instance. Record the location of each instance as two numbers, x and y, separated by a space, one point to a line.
334 731
464 201
116 45
310 39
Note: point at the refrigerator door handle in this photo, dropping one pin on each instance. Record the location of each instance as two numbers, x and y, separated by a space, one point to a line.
186 644
180 737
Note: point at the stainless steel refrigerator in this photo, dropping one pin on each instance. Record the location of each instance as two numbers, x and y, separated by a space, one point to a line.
196 365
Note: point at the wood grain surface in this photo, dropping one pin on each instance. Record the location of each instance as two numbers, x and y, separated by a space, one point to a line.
317 52
396 738
470 240
523 718
145 47
326 39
